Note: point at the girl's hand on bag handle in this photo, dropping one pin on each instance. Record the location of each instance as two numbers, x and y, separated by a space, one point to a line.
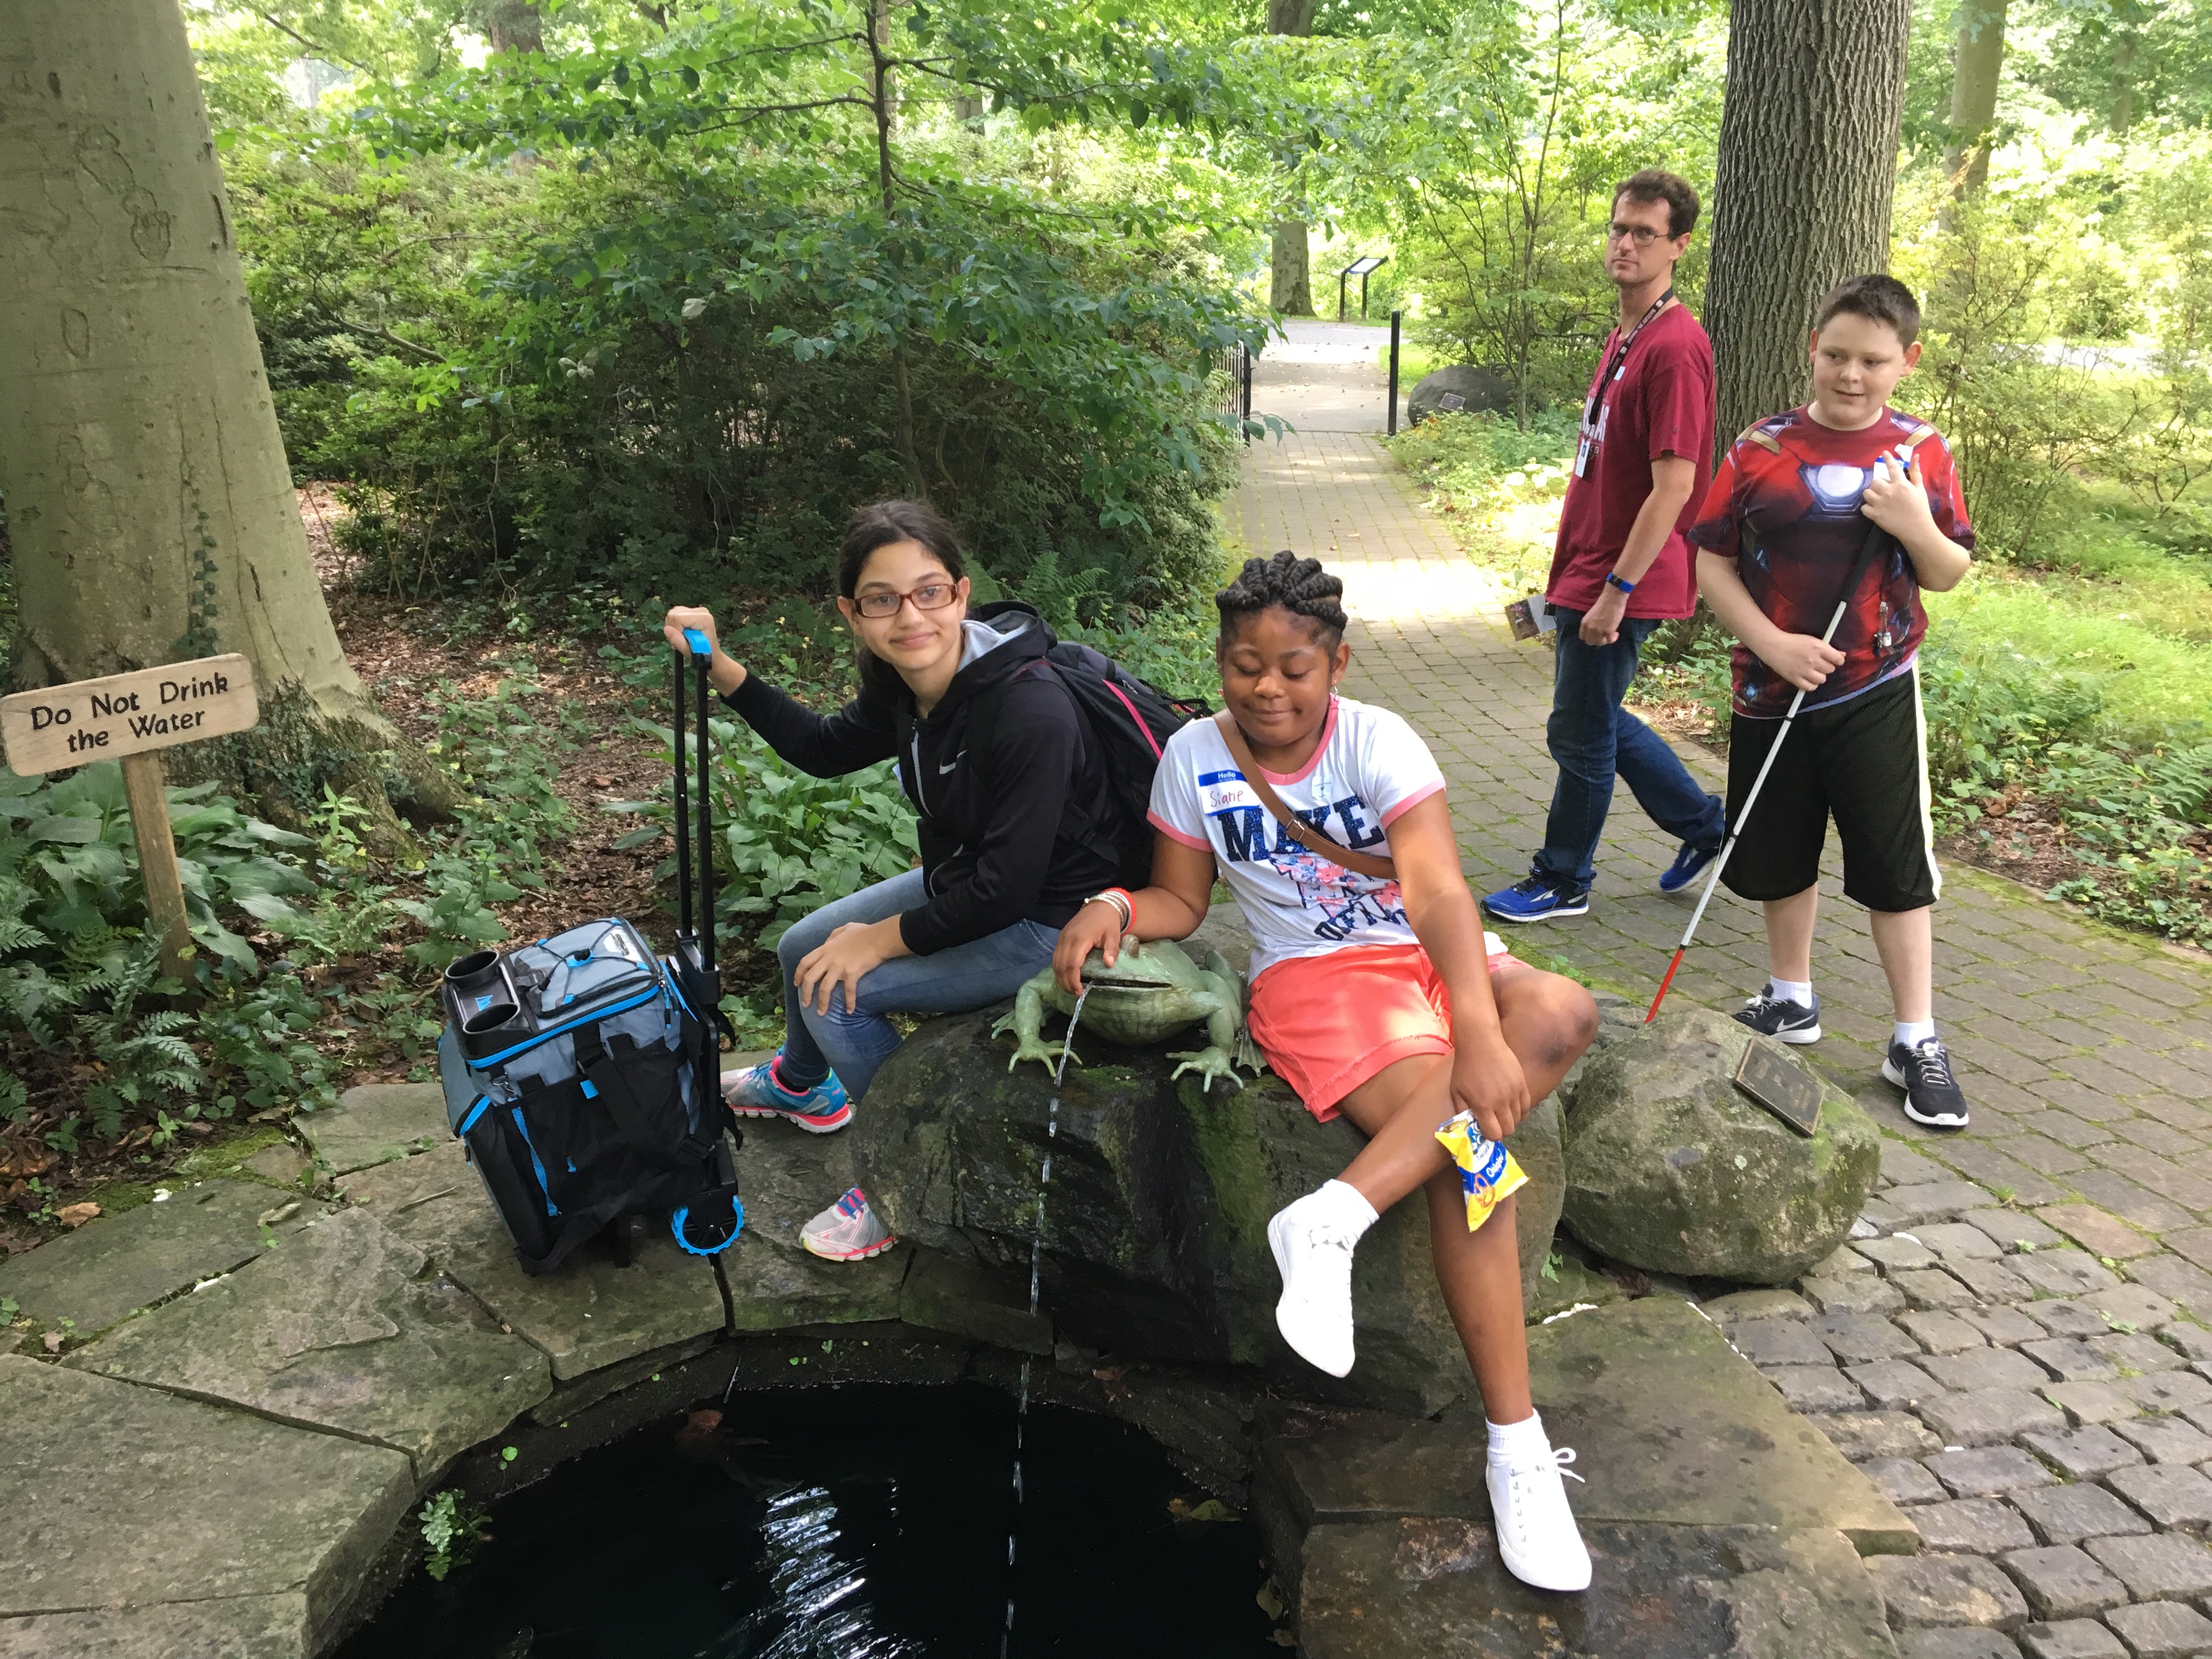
1095 926
724 672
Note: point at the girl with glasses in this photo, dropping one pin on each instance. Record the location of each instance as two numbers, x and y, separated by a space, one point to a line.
1004 858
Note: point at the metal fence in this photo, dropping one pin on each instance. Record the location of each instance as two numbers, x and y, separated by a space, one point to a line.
1233 375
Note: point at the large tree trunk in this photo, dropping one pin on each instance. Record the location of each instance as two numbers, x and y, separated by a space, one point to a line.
1974 94
151 508
1289 276
515 25
1802 191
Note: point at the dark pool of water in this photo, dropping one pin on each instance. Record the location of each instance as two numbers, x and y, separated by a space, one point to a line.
862 1522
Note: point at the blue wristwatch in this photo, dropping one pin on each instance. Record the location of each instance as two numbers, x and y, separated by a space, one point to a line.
1613 579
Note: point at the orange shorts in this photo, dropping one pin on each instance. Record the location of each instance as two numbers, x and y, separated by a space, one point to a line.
1329 1024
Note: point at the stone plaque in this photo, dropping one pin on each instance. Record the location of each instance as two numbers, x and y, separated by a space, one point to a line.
1786 1090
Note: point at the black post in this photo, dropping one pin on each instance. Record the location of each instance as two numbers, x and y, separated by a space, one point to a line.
1339 296
1363 296
1394 316
1248 389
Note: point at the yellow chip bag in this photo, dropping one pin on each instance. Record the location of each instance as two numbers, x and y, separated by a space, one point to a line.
1487 1173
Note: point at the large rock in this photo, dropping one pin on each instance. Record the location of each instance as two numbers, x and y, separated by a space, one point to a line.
589 1315
1669 1166
336 1328
1155 1222
86 1281
376 1123
123 1497
1458 386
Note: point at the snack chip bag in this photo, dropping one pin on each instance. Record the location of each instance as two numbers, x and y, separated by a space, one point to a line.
1487 1173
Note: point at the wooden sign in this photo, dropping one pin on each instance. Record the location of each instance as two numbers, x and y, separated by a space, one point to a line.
65 725
124 717
1787 1090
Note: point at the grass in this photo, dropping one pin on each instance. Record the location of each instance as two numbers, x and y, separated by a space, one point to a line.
2151 682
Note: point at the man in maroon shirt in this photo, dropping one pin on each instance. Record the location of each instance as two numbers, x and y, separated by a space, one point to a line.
1621 566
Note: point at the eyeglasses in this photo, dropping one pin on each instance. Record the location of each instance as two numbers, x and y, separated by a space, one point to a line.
1642 235
930 596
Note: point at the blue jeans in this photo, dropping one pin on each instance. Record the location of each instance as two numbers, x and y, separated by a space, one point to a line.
1592 737
856 1041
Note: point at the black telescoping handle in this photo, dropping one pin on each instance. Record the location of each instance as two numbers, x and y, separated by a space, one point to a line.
699 662
682 819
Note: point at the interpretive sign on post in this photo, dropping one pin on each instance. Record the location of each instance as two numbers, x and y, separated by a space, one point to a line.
127 718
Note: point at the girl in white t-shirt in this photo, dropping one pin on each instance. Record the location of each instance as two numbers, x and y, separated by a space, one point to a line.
1379 997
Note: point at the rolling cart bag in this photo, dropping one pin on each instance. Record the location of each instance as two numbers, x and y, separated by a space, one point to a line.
582 1071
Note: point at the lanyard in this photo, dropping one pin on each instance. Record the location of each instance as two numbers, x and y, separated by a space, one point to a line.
1619 363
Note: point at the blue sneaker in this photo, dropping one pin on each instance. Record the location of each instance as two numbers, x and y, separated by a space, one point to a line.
1536 898
754 1092
1686 864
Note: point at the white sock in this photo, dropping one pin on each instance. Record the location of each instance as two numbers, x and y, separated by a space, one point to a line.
1791 990
1524 1442
1346 1207
1913 1032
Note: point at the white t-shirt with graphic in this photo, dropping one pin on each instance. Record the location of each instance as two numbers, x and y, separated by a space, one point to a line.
1369 768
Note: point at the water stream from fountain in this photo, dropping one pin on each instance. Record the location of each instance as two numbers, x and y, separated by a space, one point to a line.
1037 1266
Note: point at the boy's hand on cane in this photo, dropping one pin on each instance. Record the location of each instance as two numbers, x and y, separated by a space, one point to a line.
1095 926
724 672
1896 498
1803 659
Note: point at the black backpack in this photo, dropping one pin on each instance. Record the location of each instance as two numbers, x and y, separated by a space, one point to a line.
1128 721
582 1072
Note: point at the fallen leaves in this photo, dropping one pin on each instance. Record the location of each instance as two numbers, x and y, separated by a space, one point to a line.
24 1157
75 1215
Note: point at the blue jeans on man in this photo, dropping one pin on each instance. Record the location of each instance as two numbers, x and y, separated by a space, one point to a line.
1592 738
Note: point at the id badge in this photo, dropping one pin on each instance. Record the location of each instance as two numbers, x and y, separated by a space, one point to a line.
1582 455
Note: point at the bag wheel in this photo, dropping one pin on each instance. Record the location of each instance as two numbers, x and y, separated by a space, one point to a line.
705 1233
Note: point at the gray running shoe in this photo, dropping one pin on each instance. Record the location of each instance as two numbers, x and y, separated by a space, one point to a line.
848 1230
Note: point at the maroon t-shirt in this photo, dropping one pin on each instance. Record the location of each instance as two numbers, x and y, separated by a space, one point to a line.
1661 403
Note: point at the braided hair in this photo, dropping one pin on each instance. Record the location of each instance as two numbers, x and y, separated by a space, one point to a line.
1300 586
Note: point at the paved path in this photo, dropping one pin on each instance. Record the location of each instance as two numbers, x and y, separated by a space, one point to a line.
2087 1055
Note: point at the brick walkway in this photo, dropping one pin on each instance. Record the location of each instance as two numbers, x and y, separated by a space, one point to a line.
2087 1055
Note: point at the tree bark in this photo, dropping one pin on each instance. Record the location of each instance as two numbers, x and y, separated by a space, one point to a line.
1290 275
1974 94
886 116
151 508
515 25
1802 190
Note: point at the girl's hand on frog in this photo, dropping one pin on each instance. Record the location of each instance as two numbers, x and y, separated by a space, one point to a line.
1095 926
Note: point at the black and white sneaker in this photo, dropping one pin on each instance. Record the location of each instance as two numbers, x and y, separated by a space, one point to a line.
1932 1094
1782 1018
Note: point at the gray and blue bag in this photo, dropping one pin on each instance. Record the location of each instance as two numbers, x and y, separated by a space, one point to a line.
582 1071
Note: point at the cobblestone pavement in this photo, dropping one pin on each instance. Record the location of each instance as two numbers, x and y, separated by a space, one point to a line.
2018 1346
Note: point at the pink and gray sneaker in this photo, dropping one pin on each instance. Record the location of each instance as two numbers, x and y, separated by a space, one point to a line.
757 1092
848 1230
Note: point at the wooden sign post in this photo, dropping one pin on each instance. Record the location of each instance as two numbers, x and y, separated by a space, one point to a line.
129 718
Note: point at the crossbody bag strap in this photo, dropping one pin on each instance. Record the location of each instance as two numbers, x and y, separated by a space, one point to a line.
1360 864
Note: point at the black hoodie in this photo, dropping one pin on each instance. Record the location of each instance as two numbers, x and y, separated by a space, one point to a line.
986 855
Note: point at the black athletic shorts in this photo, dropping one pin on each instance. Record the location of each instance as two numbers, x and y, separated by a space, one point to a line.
1864 762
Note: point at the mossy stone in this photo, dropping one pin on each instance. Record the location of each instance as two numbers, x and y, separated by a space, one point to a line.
1670 1167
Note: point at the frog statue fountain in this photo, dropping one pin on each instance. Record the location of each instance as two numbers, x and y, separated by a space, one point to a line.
1151 991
